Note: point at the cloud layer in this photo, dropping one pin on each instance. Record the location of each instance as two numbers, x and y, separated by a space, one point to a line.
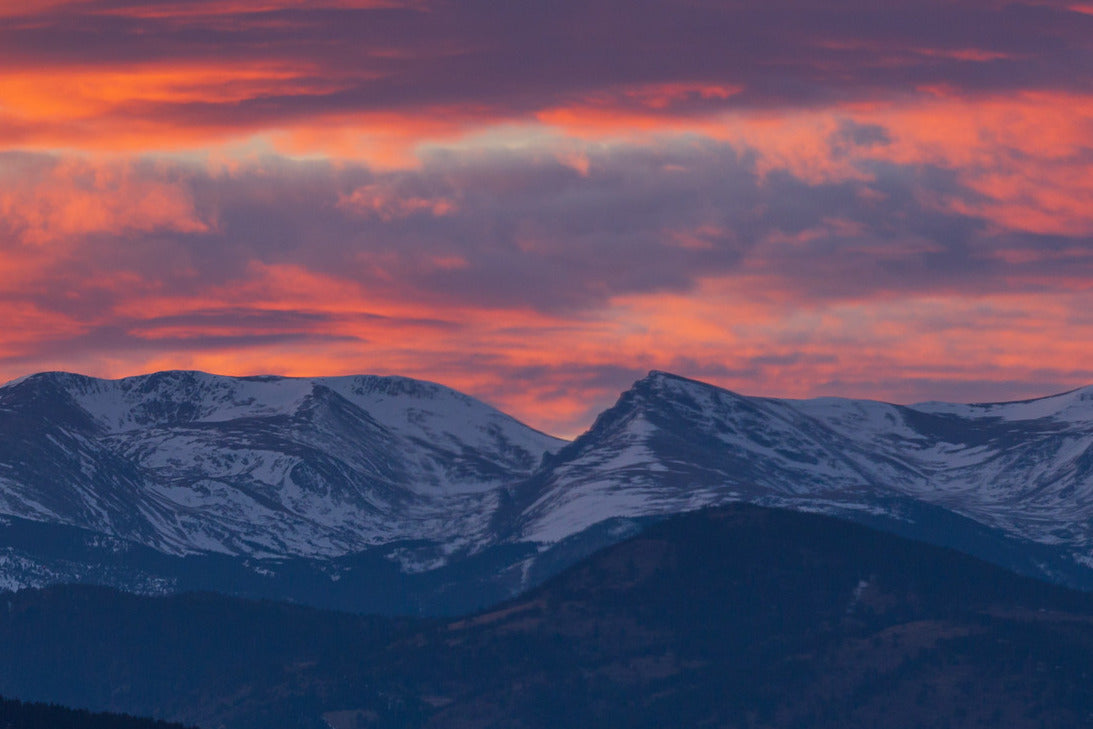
536 202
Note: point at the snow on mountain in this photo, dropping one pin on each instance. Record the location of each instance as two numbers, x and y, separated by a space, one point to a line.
1024 468
189 462
361 476
1074 406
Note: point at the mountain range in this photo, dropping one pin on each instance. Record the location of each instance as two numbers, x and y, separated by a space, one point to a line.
385 494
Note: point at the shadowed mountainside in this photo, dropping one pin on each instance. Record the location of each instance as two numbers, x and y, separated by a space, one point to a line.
738 617
20 715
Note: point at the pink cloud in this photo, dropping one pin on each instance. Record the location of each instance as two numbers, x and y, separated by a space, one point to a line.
537 204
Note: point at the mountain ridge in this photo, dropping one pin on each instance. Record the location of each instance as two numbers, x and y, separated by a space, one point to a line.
903 442
338 479
267 456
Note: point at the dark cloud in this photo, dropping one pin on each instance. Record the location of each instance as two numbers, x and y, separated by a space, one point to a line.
278 320
851 136
119 340
890 154
527 231
513 59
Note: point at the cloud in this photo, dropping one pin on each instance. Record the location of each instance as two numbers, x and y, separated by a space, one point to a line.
539 202
108 75
544 286
527 230
46 201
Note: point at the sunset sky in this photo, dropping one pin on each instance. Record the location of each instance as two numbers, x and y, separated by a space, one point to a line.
537 202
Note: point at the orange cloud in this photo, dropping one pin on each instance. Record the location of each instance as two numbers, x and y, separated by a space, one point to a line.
534 212
384 140
76 197
754 329
896 349
15 8
544 368
202 9
198 8
387 205
44 94
1028 154
126 109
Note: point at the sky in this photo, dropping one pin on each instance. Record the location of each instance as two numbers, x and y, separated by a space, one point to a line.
537 202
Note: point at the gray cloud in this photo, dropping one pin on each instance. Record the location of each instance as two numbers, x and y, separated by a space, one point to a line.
527 231
512 59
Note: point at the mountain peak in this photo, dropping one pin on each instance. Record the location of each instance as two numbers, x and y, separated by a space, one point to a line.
663 391
660 377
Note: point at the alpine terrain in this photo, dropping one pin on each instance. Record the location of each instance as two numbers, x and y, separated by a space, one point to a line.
741 617
393 495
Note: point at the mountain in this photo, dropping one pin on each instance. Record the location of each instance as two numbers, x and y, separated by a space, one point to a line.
152 482
741 616
186 462
1010 482
384 494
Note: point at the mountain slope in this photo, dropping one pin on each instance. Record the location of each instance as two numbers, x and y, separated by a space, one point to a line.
1012 478
19 715
736 617
390 495
186 462
745 616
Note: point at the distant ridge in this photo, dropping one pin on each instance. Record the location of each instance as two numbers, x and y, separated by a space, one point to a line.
395 495
1011 482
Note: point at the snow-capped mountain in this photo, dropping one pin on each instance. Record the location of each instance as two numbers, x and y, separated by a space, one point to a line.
385 493
1019 472
186 462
